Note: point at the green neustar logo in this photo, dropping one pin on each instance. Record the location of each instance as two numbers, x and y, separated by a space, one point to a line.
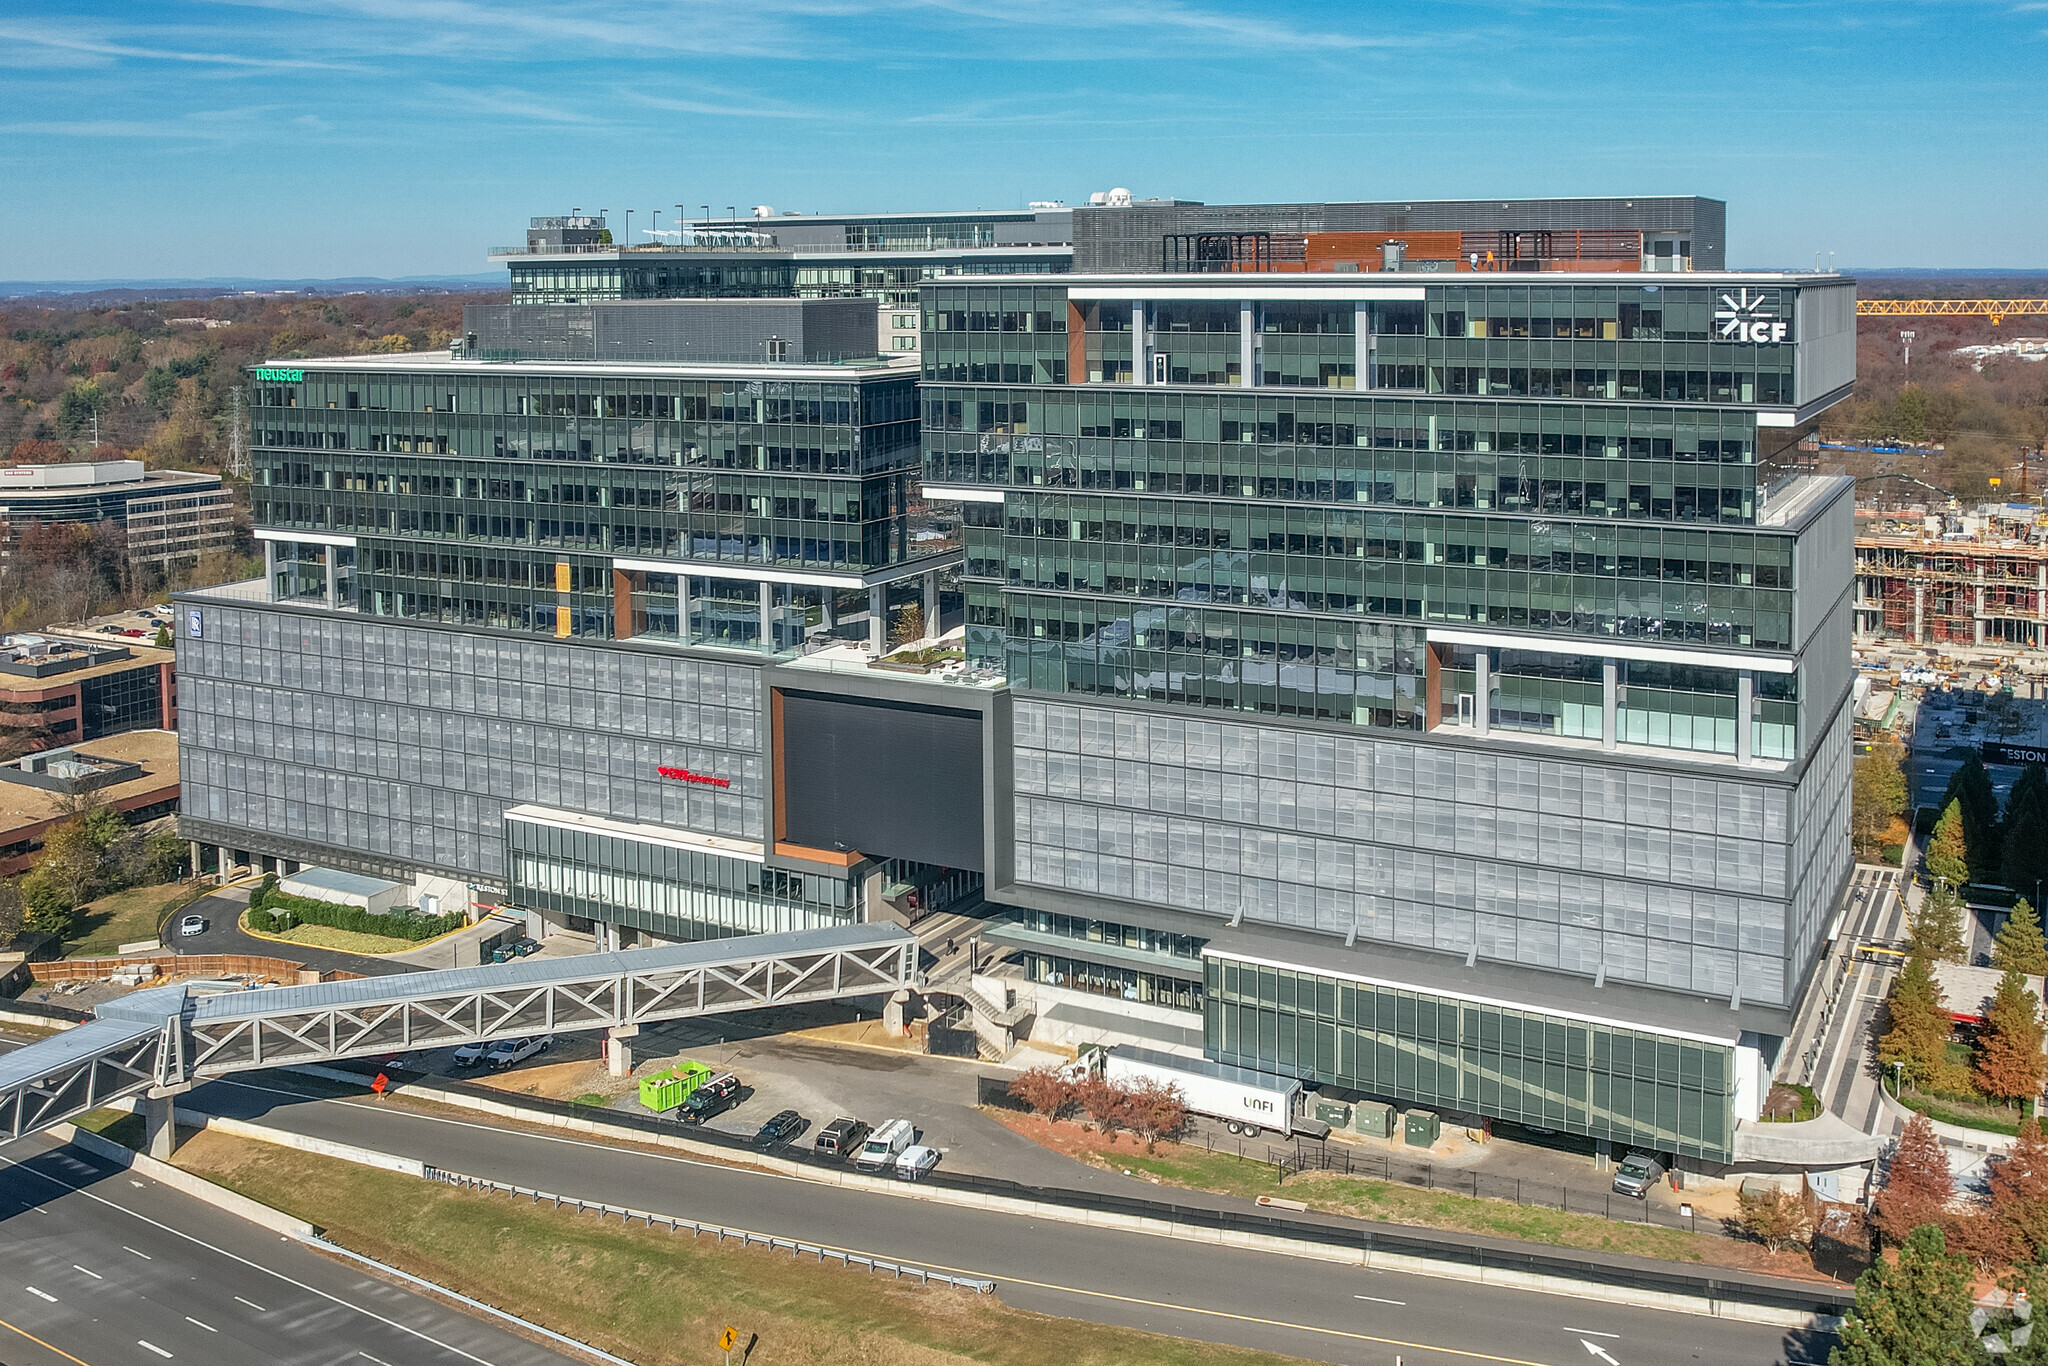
281 376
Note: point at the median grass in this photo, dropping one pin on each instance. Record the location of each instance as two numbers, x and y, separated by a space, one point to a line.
658 1298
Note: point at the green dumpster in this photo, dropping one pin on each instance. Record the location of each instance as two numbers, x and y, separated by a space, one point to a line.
667 1089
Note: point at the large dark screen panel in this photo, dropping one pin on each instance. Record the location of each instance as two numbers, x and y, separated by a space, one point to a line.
888 779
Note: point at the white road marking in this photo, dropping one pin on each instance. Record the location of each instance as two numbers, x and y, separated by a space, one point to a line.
1597 1350
138 1252
94 1274
1377 1300
207 1326
138 1185
145 1342
252 1304
1592 1333
244 1261
379 1360
40 1294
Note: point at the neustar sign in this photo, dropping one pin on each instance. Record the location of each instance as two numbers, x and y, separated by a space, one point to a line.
280 376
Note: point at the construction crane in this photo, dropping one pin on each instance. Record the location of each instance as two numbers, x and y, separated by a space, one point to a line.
1998 310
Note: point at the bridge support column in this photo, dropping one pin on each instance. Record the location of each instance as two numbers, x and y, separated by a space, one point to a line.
158 1108
226 873
618 1051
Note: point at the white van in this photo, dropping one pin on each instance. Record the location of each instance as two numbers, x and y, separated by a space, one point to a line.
885 1145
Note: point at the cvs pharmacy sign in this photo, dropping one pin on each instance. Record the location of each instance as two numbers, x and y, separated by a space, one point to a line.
1751 315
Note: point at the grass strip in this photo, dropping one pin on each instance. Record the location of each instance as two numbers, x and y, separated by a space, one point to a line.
327 937
659 1298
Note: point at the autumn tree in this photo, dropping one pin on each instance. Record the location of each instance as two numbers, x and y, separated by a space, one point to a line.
1108 1104
1777 1218
1877 798
1918 1186
2009 1060
1158 1109
11 909
2019 1189
73 861
1917 1038
1936 929
1948 853
1912 1312
2020 946
1044 1090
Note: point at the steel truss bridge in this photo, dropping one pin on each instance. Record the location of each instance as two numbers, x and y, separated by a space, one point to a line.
1998 310
167 1037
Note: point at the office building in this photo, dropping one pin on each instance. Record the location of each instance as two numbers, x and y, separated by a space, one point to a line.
60 690
171 517
1429 683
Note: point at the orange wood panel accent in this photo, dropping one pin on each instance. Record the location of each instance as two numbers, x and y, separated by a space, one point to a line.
1077 345
1433 686
833 857
622 603
1326 249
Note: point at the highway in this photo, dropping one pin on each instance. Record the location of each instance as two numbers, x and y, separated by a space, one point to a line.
1253 1299
102 1268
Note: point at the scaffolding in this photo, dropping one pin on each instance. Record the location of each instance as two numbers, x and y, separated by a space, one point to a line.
1940 590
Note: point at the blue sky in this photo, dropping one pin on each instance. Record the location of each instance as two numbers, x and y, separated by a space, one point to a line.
322 138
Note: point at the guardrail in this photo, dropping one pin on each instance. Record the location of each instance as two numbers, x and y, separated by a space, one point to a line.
1419 1243
747 1237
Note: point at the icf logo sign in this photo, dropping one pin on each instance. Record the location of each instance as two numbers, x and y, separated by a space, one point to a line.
1750 315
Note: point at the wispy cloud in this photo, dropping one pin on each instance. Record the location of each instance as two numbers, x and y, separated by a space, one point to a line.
71 42
718 105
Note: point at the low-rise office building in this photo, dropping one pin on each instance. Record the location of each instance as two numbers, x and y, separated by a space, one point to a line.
1432 685
60 690
134 773
171 517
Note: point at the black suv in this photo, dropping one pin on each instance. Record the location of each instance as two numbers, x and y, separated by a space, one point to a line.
714 1097
782 1127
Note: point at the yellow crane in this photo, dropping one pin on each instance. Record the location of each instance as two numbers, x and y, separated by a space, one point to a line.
1998 310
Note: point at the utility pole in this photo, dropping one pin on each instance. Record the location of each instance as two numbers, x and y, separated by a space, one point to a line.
1906 339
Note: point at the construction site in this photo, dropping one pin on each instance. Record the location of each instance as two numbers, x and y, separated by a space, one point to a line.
1945 578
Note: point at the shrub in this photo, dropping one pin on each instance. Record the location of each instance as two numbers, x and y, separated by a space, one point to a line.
338 917
262 921
45 908
1775 1218
1044 1090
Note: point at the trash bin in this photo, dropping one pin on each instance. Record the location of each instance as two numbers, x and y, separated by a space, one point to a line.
667 1089
1420 1128
1373 1118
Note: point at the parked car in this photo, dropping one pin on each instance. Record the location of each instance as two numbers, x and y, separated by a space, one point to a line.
714 1097
133 631
885 1145
110 630
192 924
916 1162
837 1140
780 1128
1637 1173
508 1052
470 1054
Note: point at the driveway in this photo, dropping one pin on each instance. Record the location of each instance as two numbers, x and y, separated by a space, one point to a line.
223 908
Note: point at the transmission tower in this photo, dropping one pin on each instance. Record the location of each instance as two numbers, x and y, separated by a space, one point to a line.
236 453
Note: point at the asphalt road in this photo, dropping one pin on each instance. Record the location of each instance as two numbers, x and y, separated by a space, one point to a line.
1310 1309
102 1268
223 935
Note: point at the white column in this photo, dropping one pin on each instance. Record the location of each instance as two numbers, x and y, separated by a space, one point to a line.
195 858
1361 326
767 616
226 870
831 608
270 571
1745 705
159 1124
682 610
1138 368
878 623
931 605
328 560
1610 704
1247 344
1482 684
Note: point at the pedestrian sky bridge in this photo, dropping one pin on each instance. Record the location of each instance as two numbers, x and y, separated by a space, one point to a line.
165 1038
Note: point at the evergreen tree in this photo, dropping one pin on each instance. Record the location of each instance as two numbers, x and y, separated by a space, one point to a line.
1913 1312
2019 1190
1937 929
1948 853
1919 1026
2020 946
1971 786
2009 1058
1917 1187
2024 865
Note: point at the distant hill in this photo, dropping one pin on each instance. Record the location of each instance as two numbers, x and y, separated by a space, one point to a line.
131 291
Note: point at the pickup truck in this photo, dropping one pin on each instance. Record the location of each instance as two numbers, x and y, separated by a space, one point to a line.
508 1052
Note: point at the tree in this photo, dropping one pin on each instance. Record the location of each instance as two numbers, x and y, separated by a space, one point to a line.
45 910
2009 1058
1917 1040
1971 786
1877 798
73 861
1108 1104
1937 928
1918 1186
1913 1312
1981 1238
11 910
2020 946
163 638
2024 862
1043 1089
1777 1218
1948 853
1158 1109
164 856
2019 1189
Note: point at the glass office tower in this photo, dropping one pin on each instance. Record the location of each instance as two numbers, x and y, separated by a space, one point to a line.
1462 659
